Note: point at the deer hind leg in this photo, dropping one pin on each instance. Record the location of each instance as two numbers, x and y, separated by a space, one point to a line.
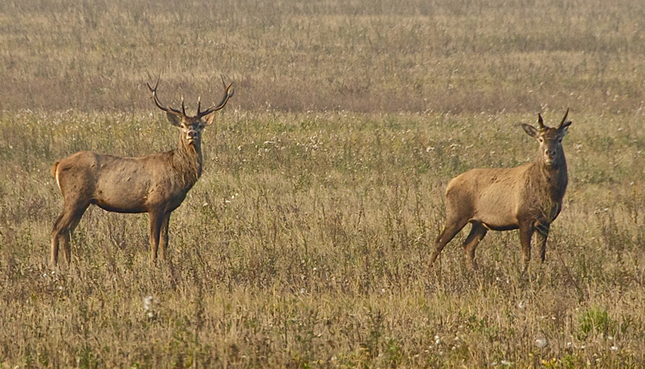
156 222
526 232
448 233
63 227
477 232
56 238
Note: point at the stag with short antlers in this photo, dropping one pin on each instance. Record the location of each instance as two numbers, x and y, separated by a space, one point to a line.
528 197
156 183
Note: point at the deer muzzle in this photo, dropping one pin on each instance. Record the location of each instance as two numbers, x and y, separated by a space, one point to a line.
192 135
550 155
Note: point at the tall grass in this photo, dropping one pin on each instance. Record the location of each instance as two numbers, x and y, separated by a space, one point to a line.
305 242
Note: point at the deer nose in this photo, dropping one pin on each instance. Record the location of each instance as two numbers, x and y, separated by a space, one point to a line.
550 153
191 134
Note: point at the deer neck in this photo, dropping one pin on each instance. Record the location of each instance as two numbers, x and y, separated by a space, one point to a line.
555 176
187 161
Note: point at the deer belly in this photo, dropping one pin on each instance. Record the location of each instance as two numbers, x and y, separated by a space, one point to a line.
166 201
498 222
500 226
119 200
121 206
497 218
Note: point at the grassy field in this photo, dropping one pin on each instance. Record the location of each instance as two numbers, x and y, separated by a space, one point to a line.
306 241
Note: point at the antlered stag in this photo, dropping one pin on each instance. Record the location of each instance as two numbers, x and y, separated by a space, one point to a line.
156 183
528 197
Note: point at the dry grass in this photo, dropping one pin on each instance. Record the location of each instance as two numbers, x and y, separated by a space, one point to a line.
305 242
360 56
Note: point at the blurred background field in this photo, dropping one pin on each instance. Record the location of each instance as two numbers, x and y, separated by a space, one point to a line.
361 56
305 242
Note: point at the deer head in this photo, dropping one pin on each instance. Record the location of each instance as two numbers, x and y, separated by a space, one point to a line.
550 140
191 126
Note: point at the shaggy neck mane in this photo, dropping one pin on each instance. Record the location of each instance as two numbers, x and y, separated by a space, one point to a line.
187 161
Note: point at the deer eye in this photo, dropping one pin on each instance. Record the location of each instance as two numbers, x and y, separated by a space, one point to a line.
540 139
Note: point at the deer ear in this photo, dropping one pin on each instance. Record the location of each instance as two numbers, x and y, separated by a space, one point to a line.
174 119
530 130
209 118
563 129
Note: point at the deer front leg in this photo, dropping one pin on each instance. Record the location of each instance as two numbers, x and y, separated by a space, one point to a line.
543 233
163 239
156 221
526 232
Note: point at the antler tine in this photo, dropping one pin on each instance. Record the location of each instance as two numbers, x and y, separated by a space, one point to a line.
153 90
228 93
183 106
154 95
199 105
155 98
541 122
565 117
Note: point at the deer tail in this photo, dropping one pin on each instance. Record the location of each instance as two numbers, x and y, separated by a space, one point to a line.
54 171
54 168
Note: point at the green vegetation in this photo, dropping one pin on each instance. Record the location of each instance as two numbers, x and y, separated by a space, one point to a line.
305 242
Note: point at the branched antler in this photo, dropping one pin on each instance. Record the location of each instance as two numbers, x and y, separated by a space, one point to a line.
169 110
228 93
